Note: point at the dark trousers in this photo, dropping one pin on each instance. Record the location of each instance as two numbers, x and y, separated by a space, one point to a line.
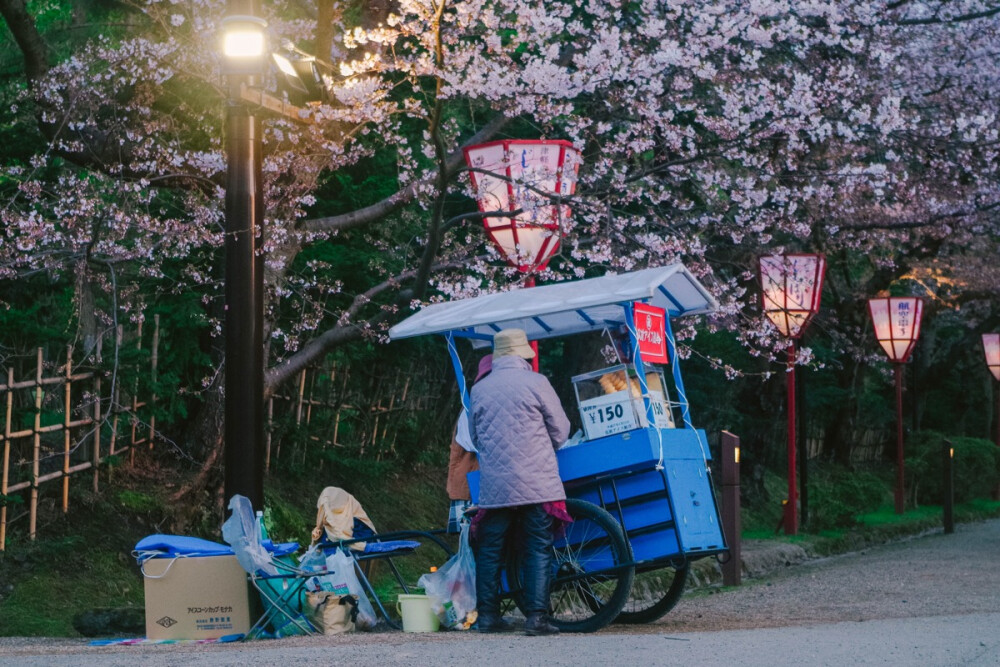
528 529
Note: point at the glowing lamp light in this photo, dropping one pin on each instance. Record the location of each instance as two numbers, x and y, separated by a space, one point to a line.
897 324
522 176
791 289
991 348
243 44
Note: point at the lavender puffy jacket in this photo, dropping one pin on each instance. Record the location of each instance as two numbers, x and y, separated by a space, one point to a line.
517 423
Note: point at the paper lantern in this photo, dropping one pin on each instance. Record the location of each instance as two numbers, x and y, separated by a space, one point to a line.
520 175
791 286
897 324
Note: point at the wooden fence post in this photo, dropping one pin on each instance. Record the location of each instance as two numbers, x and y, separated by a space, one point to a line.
6 458
36 434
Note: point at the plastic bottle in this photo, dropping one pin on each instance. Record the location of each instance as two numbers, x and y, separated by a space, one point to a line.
260 526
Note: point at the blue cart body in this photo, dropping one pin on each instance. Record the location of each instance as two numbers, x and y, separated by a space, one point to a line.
668 510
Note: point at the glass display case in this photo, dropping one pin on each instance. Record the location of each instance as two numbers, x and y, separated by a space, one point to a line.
610 401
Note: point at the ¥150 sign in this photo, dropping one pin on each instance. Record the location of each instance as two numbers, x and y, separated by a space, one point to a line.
650 329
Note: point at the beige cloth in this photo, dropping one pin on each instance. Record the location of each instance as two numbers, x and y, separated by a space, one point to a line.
336 510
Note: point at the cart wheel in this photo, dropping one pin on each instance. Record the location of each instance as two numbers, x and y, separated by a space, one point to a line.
580 601
653 594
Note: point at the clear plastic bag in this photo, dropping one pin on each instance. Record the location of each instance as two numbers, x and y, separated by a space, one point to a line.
452 589
340 566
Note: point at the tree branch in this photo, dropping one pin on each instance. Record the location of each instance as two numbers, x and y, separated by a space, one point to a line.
955 19
398 200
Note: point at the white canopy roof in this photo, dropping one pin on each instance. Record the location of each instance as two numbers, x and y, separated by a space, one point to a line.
559 309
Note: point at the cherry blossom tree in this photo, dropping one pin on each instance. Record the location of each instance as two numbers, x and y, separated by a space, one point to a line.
710 132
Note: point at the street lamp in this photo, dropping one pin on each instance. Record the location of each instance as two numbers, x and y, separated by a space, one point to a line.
243 63
791 287
518 179
991 348
897 327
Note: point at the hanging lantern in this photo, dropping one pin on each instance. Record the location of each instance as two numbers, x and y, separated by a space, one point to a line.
991 347
791 286
897 324
522 176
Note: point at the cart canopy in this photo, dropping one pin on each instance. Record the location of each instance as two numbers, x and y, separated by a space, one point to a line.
559 309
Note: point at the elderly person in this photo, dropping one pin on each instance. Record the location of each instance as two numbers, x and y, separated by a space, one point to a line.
517 423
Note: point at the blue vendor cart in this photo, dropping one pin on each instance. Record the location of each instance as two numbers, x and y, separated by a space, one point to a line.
636 474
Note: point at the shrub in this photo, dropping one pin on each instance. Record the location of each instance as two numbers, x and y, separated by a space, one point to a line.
838 496
976 467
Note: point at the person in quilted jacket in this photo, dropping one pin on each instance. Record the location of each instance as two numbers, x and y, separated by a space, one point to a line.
517 423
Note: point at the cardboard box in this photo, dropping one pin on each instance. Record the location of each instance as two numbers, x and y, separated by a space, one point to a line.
196 598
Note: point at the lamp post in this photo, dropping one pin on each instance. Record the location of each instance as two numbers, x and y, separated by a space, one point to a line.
897 327
244 52
518 180
991 348
791 287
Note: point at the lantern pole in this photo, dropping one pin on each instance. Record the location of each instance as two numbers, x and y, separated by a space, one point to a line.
791 287
900 500
530 282
791 515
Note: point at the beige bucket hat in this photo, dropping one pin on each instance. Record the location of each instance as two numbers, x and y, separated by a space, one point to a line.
512 342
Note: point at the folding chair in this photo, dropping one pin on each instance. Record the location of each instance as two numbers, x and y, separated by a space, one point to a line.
341 523
272 572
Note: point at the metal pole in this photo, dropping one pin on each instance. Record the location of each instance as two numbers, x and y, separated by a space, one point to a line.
791 517
996 490
530 282
244 292
949 489
802 444
732 569
900 501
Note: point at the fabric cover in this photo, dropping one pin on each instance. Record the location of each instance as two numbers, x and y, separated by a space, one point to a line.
336 511
159 546
517 424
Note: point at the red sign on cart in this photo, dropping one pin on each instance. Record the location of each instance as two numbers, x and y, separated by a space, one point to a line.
650 328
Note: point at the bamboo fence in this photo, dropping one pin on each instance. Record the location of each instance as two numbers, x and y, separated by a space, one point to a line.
60 418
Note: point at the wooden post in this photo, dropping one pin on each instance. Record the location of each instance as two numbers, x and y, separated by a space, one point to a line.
732 569
96 454
67 408
6 457
267 434
36 449
949 488
152 399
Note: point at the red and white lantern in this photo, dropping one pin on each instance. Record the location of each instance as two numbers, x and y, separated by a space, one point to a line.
522 175
991 348
791 287
897 324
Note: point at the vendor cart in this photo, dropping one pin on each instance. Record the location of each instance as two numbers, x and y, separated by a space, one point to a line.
636 475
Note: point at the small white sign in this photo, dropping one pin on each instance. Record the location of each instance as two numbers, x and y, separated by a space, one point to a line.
607 415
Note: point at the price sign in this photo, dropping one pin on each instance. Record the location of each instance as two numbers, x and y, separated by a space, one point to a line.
607 415
650 328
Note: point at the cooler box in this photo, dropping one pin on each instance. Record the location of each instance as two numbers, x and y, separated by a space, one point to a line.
195 597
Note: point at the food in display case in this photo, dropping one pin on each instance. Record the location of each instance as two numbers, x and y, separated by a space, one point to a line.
610 401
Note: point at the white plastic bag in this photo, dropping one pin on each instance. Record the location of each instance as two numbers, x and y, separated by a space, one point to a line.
452 589
340 566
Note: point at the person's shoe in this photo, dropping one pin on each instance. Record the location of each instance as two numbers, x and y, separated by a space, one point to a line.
491 624
538 625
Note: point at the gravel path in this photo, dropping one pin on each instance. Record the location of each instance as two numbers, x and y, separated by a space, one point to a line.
933 600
